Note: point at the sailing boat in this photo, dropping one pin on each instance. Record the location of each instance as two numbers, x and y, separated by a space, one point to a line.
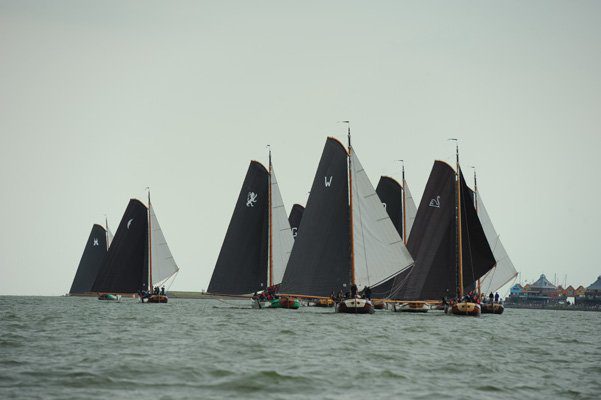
503 271
347 238
91 260
296 214
257 244
447 241
139 258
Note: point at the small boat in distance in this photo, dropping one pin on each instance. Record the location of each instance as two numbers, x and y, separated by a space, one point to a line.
139 258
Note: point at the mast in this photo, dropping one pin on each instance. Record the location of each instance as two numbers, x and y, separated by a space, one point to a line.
106 234
270 274
476 205
350 177
404 210
149 244
459 238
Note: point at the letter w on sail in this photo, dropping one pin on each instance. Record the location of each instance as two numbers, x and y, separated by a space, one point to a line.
435 202
327 182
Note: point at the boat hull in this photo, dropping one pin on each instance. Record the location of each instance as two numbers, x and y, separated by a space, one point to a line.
324 303
355 306
466 308
413 307
379 304
286 302
109 297
494 308
157 298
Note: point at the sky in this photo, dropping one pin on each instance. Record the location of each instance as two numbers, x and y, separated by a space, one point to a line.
99 100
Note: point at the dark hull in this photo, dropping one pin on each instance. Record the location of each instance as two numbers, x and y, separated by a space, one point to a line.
356 306
379 305
492 308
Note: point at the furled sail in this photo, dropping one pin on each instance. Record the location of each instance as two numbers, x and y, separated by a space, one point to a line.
281 234
91 261
504 271
125 266
379 252
433 240
296 215
163 263
241 267
109 237
320 259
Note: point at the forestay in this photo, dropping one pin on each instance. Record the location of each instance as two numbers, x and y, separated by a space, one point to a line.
504 271
163 263
281 233
379 251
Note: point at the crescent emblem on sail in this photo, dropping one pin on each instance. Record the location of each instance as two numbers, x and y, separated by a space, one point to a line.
251 199
129 223
435 202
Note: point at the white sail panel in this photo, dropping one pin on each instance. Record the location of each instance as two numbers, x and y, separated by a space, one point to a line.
410 208
163 263
281 236
504 271
109 237
378 248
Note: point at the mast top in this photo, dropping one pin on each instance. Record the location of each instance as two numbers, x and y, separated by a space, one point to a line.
456 152
148 190
348 134
269 148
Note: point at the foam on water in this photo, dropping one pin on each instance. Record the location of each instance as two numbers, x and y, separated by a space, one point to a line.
73 348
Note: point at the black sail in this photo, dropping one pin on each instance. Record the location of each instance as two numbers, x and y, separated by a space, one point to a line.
390 193
478 257
433 240
296 214
242 264
320 259
91 261
125 267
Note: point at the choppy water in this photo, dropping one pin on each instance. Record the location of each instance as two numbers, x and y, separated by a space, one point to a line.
75 348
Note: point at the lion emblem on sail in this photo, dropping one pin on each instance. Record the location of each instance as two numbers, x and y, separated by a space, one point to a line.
251 199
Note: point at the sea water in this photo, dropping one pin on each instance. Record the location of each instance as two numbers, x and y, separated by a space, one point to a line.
82 348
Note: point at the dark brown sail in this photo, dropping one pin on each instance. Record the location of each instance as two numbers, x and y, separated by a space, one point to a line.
242 264
390 193
125 267
433 241
296 214
91 261
320 259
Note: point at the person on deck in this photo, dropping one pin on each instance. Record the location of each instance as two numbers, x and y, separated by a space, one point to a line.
367 292
490 298
496 297
163 291
353 291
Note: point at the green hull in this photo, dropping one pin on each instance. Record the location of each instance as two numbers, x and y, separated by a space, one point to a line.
276 304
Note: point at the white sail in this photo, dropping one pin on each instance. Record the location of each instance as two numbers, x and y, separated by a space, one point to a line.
378 248
281 236
109 237
163 264
504 271
410 208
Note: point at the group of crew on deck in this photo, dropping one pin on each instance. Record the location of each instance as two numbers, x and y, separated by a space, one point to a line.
352 294
144 294
266 295
472 297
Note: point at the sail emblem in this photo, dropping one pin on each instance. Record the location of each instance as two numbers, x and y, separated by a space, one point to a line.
129 223
385 205
294 231
95 242
327 182
435 202
251 199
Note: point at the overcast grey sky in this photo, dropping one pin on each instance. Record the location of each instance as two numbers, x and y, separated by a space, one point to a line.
100 99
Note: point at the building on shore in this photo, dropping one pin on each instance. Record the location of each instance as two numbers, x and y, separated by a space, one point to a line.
592 294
